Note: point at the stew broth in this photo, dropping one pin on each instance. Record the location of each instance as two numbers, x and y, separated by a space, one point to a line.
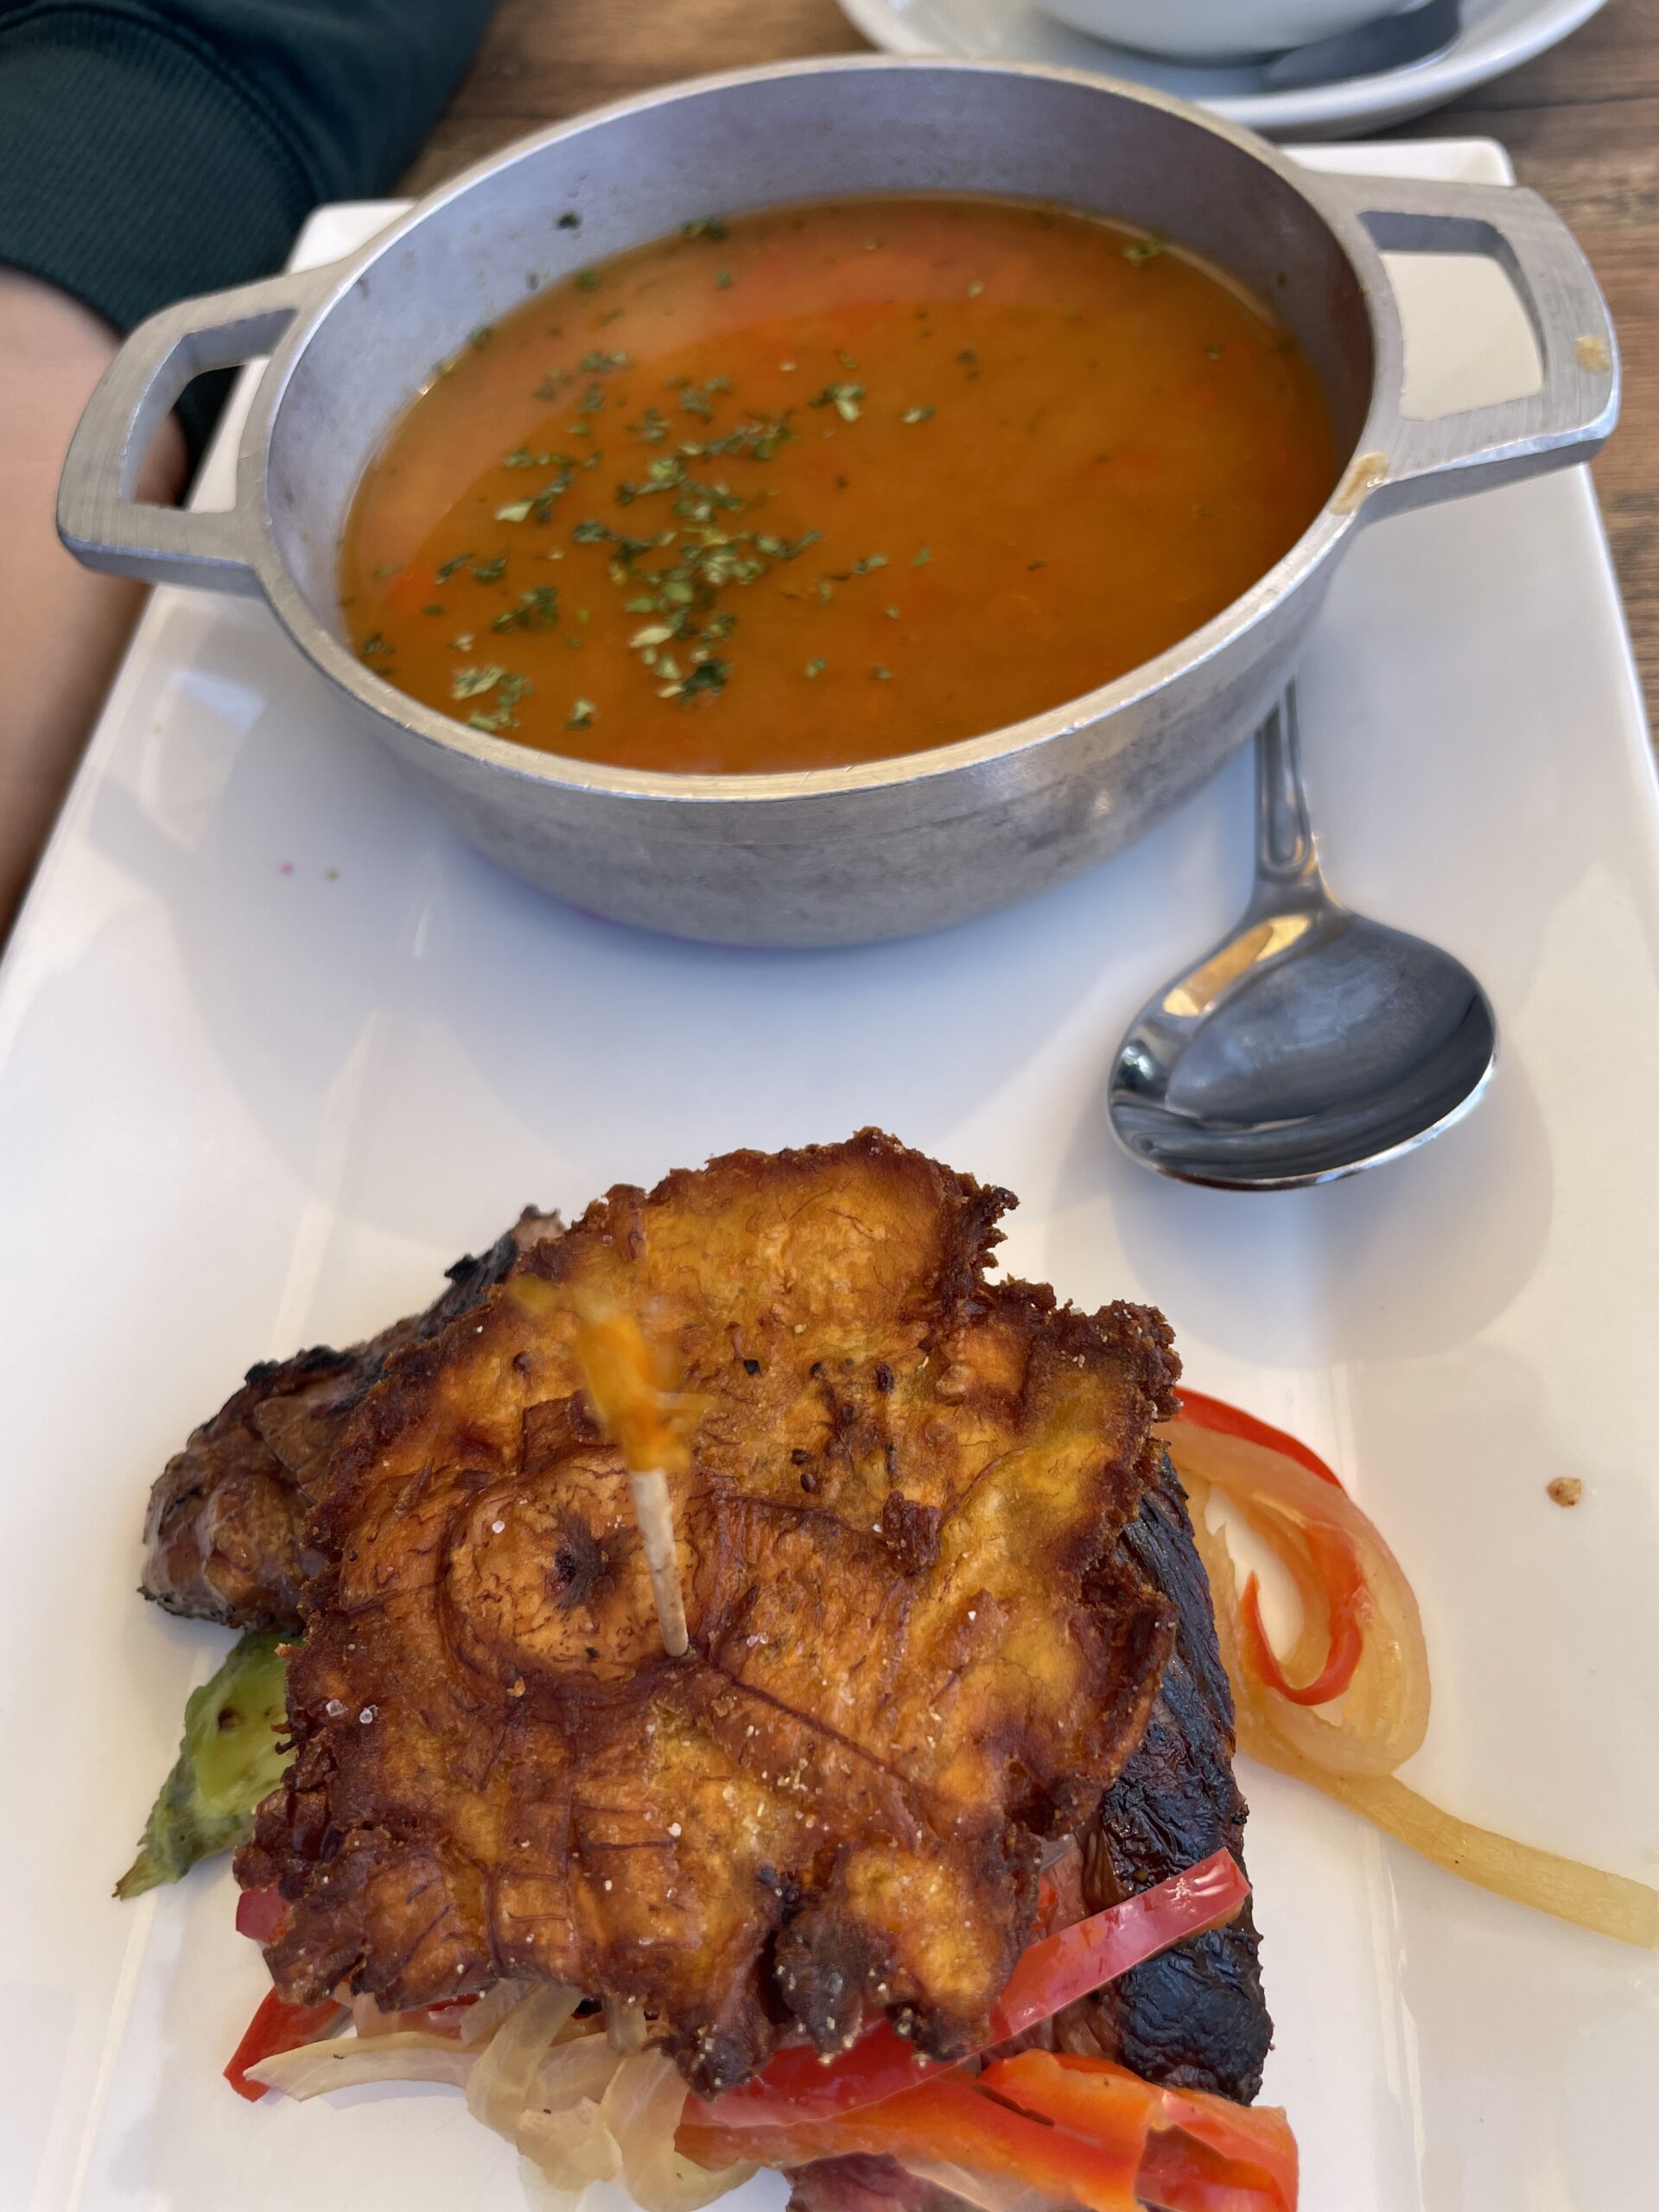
832 482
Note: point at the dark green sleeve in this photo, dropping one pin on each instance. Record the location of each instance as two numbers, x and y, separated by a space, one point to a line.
150 149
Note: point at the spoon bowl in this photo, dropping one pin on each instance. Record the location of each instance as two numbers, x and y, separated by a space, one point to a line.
1311 1042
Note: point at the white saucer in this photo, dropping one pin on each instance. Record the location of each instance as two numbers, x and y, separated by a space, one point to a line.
1497 34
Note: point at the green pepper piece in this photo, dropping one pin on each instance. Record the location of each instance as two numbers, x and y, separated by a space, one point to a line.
228 1760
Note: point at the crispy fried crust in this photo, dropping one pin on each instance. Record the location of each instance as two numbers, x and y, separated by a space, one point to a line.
915 1650
223 1534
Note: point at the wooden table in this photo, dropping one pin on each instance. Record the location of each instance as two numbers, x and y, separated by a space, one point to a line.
1581 124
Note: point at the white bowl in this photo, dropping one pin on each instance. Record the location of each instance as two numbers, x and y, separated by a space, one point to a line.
1217 30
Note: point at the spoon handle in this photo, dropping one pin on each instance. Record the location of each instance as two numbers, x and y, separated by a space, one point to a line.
1287 856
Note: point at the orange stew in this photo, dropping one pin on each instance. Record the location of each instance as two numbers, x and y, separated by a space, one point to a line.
828 483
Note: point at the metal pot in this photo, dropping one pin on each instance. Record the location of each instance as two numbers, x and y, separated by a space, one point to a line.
834 855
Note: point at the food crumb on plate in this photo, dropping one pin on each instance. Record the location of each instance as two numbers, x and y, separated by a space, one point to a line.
1566 1490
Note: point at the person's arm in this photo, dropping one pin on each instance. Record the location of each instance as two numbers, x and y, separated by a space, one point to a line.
149 150
61 628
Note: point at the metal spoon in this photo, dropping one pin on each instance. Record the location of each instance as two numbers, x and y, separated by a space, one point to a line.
1311 1042
1393 42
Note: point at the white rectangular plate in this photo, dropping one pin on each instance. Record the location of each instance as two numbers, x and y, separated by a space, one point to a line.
275 1047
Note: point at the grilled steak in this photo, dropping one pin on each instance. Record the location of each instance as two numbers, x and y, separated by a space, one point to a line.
223 1534
1193 2017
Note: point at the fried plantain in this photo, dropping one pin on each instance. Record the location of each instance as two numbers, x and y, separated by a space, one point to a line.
916 1651
224 1534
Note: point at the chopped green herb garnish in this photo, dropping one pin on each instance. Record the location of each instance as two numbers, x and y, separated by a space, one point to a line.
570 220
480 335
975 289
589 279
493 570
696 398
1214 352
709 675
515 511
816 666
706 226
882 675
1147 249
503 714
891 614
387 567
433 608
376 643
596 363
537 608
474 683
581 714
449 568
921 557
722 283
917 415
844 398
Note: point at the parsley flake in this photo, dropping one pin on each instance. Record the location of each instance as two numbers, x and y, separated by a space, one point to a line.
474 683
844 398
503 714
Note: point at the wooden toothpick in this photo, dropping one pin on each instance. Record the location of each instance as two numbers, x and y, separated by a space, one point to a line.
646 1427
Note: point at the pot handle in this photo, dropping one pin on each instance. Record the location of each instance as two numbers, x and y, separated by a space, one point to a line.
99 519
1573 412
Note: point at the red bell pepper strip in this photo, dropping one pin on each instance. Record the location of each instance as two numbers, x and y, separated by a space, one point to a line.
1051 1975
261 1913
1228 1421
1093 2098
1335 1561
277 2026
1081 2130
945 2117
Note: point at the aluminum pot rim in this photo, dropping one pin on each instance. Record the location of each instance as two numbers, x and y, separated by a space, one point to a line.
1009 742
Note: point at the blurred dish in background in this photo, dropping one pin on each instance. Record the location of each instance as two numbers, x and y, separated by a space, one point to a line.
1217 30
1497 36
